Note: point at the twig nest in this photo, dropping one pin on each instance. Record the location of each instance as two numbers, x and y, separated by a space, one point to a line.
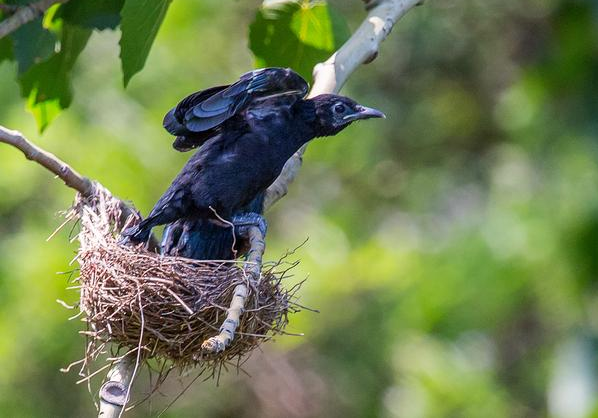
162 306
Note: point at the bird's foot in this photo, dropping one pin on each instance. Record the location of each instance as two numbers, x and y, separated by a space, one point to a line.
244 221
133 235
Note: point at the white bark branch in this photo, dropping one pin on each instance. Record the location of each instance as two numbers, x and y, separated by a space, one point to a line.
330 75
253 269
62 170
48 160
114 392
25 14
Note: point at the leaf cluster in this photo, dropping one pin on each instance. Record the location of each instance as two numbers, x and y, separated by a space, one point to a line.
285 33
46 49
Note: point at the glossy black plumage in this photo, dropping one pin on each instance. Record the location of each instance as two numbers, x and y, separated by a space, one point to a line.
246 133
202 239
199 116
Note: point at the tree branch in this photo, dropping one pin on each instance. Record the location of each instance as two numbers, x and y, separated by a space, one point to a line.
114 392
253 269
48 160
25 14
330 75
62 170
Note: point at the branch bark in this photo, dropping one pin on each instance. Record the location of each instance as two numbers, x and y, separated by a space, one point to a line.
62 170
25 14
114 392
48 160
330 75
253 269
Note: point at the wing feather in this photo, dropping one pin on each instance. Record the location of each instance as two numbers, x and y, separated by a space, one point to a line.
205 111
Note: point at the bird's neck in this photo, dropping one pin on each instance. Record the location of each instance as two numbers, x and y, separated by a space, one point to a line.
306 118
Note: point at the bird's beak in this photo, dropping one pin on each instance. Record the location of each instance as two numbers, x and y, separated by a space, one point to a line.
365 113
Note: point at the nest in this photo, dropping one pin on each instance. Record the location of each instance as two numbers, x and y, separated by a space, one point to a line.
165 307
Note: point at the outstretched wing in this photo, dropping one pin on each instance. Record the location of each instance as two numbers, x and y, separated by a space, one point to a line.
198 116
174 120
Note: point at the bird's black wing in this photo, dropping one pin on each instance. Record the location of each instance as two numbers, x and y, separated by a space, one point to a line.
198 116
174 121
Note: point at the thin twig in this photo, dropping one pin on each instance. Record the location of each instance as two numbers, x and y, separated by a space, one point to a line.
138 360
48 160
25 14
179 300
62 170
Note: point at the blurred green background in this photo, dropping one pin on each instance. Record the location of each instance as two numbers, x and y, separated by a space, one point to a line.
453 247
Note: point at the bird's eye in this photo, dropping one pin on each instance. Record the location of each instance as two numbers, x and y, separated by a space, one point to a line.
339 108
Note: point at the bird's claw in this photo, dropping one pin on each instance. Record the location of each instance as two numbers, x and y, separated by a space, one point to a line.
123 241
125 237
244 221
128 236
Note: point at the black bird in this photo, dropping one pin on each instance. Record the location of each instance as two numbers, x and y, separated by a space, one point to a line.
245 132
199 238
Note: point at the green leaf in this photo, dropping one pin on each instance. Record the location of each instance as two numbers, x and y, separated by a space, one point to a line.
44 112
6 51
47 85
296 34
32 44
16 2
92 14
140 22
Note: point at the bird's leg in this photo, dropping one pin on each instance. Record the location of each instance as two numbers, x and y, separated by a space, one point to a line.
176 238
243 222
184 237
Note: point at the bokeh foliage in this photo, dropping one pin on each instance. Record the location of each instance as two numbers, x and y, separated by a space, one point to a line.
295 33
452 248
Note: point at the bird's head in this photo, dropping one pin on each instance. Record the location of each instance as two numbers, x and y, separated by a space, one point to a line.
334 113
